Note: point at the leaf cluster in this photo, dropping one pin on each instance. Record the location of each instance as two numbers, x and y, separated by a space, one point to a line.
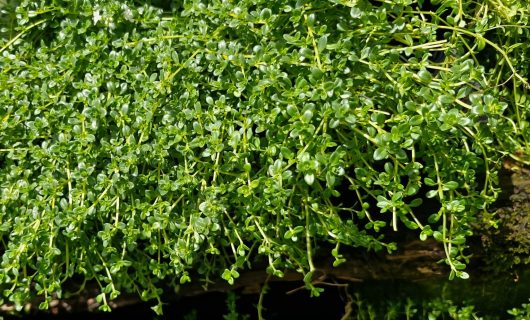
141 148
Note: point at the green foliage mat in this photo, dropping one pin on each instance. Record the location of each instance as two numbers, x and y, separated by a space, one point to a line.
143 148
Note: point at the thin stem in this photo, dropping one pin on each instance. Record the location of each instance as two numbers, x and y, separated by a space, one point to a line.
21 33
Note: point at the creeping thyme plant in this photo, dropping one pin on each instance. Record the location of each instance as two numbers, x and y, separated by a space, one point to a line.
144 147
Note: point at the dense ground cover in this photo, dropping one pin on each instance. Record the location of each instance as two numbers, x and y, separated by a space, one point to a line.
143 147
